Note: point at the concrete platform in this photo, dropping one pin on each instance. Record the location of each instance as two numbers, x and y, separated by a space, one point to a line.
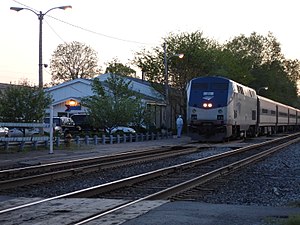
195 213
67 211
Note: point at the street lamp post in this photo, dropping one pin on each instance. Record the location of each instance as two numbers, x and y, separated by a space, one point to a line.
40 17
262 88
166 58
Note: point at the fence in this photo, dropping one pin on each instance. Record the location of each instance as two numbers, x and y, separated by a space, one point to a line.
21 142
34 141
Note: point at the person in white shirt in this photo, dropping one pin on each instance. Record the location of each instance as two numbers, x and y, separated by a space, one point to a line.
179 124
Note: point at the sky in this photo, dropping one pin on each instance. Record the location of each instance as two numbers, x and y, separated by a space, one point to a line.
119 28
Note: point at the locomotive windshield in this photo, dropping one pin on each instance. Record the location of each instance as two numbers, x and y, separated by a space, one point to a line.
209 90
207 86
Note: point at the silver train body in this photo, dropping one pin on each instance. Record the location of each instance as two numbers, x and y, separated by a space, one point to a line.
219 108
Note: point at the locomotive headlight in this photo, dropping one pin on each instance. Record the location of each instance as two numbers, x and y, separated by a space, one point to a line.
207 105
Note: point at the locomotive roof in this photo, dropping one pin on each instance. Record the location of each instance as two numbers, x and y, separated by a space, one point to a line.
237 87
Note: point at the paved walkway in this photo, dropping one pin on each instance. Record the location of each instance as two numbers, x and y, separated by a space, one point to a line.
198 213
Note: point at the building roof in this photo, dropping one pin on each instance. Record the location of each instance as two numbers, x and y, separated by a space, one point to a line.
140 86
79 88
68 83
3 86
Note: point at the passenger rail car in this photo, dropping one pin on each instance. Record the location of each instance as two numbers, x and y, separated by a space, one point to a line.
219 108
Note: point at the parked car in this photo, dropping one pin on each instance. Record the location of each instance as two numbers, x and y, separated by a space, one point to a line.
82 122
4 131
121 130
21 132
62 124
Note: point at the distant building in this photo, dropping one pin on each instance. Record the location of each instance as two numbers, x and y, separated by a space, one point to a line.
67 97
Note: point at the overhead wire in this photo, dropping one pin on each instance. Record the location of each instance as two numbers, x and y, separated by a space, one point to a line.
84 29
81 28
25 5
55 32
97 33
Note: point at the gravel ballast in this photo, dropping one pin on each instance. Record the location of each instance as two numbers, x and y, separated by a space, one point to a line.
274 181
271 182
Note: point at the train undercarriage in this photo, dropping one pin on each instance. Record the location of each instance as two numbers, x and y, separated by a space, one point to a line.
211 132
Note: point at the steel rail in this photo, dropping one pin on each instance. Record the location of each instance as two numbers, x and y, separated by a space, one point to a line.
219 172
116 161
169 191
69 163
129 181
185 186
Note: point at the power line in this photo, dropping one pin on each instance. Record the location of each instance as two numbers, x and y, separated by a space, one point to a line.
55 32
25 5
85 29
97 33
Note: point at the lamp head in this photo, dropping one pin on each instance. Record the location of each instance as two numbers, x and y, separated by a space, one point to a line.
65 7
16 8
181 55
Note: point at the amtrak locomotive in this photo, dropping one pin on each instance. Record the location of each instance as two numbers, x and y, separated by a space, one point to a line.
219 108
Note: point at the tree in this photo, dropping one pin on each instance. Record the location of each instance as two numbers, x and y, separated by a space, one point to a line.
256 49
197 51
142 118
254 61
113 104
199 60
73 60
266 66
23 103
115 67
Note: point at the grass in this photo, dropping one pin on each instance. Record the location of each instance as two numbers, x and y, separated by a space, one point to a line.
294 204
291 220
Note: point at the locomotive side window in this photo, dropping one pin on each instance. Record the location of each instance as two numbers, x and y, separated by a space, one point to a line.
253 114
240 89
252 93
283 114
292 115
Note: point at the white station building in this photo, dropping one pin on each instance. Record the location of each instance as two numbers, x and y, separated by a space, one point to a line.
67 97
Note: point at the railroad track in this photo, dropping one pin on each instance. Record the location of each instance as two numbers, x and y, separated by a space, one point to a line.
13 178
168 183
